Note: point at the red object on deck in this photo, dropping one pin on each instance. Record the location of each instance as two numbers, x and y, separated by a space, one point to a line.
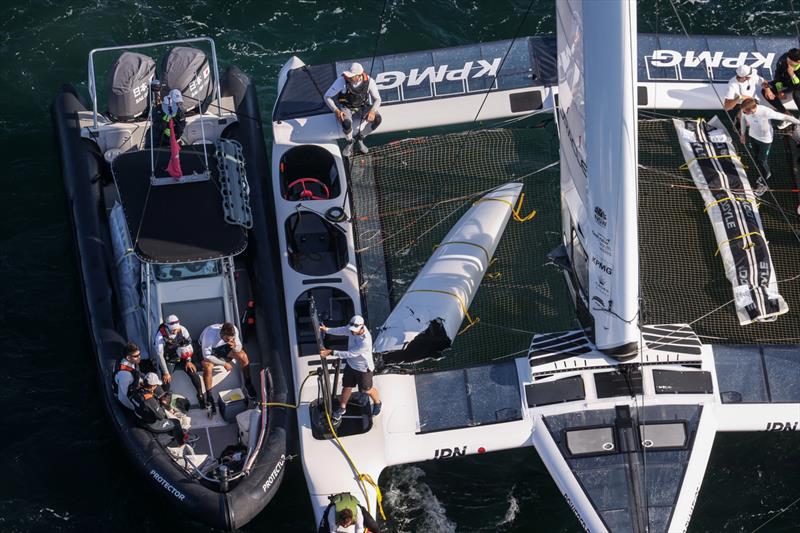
174 167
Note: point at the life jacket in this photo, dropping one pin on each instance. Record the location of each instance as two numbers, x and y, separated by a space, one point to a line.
147 407
355 97
342 501
123 365
171 345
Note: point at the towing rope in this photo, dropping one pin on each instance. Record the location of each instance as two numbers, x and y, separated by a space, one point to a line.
471 321
361 478
515 211
290 406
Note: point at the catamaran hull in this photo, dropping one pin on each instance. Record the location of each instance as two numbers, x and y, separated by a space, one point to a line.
428 317
82 170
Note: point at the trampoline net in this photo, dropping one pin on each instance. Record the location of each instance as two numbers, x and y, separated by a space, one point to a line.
408 194
681 278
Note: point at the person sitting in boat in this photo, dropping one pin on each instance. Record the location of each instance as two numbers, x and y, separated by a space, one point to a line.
744 85
173 346
127 377
150 405
345 511
352 92
359 363
786 82
221 344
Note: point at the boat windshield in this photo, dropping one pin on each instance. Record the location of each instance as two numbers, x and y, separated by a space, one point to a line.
200 269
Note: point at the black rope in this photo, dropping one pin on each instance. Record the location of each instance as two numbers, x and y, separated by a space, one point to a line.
502 62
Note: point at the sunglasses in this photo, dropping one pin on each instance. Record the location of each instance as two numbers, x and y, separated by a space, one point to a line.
175 323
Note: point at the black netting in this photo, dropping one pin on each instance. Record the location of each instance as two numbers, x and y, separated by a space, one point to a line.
407 196
682 280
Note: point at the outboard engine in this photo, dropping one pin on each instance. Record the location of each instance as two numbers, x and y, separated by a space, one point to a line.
128 87
187 70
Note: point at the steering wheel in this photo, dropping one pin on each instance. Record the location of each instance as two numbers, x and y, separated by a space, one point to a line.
303 189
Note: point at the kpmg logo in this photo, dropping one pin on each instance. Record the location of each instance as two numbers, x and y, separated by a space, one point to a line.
481 68
692 59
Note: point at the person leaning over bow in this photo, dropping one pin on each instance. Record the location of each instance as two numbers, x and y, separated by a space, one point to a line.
787 81
756 123
359 363
353 91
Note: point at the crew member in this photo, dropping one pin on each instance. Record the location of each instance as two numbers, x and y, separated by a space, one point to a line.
360 364
221 345
349 97
127 376
345 511
173 345
150 404
756 123
745 85
786 82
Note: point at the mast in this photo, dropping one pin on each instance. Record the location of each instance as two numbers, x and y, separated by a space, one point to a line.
598 131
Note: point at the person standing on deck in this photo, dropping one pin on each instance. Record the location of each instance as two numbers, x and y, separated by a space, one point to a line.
352 92
756 123
360 365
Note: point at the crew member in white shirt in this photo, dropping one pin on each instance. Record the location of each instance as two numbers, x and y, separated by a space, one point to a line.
756 123
360 365
745 84
348 97
221 344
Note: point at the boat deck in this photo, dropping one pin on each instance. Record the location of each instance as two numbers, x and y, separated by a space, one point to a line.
682 281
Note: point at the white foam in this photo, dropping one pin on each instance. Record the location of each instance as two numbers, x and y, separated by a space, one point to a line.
412 504
512 511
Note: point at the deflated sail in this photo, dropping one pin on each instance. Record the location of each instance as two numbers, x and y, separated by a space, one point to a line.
732 208
429 315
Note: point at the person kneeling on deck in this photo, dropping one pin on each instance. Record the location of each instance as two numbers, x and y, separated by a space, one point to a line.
150 404
353 90
127 376
343 512
173 345
221 345
360 364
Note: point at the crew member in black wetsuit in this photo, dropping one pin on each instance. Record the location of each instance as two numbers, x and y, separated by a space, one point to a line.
349 97
173 346
150 404
786 82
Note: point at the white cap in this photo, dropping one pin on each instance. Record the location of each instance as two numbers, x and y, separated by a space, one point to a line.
356 323
170 104
744 71
172 318
151 378
355 70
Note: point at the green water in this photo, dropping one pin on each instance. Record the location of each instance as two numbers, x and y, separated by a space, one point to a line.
63 469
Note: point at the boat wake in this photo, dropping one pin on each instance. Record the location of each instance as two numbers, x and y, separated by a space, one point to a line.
411 504
512 511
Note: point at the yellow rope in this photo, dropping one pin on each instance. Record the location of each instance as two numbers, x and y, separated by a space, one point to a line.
471 321
359 476
740 237
290 406
685 166
712 204
476 245
515 211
